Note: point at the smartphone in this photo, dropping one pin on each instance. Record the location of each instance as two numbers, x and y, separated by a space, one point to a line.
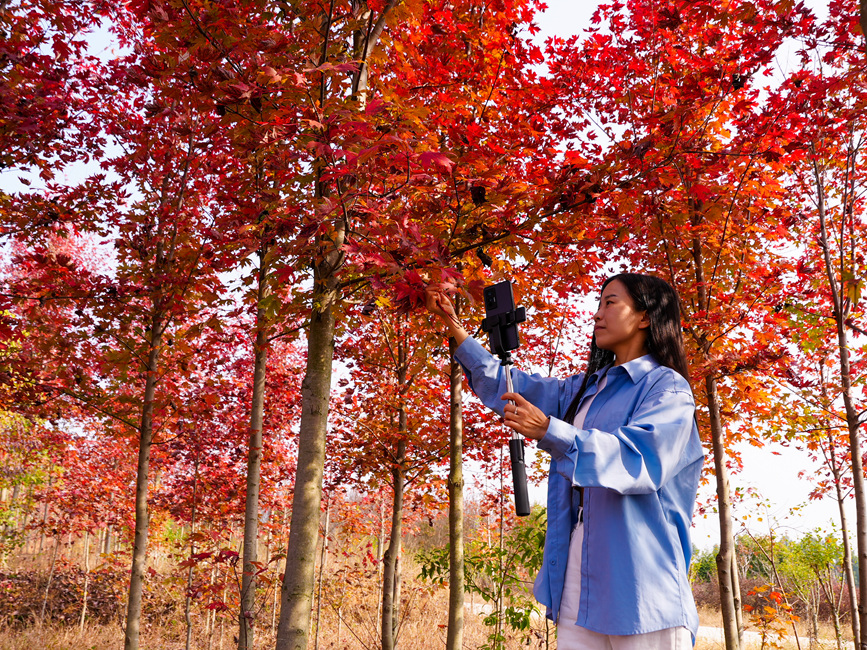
501 318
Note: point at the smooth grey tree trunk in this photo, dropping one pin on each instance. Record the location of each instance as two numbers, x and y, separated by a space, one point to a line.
455 630
848 570
188 602
841 314
727 568
139 553
86 579
246 615
837 473
293 631
391 561
725 559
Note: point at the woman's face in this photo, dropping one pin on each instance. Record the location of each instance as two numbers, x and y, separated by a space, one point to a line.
618 326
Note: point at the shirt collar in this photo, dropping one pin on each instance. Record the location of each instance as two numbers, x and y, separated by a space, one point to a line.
636 369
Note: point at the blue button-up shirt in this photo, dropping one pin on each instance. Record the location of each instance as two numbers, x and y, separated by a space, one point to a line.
639 458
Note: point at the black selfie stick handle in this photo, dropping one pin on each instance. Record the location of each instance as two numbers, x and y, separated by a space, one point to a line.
519 477
516 454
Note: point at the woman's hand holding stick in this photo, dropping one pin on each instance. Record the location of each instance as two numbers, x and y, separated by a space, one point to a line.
524 417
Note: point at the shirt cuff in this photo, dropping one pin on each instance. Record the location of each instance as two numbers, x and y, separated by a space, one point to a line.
478 363
559 439
470 350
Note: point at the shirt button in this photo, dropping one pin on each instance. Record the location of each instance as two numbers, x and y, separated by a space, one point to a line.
553 562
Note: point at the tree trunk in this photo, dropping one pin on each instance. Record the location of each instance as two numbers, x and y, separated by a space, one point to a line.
323 561
380 555
841 314
727 569
139 553
222 620
390 565
26 537
42 527
455 632
86 579
862 17
188 602
725 560
274 609
212 613
501 574
296 599
254 466
50 577
293 632
848 571
857 482
12 524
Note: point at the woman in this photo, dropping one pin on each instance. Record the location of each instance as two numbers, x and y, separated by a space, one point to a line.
625 465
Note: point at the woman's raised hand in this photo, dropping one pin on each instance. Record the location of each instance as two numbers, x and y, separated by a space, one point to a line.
439 304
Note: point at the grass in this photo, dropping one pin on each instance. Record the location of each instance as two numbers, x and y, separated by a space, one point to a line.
349 620
349 613
418 634
711 620
424 629
354 627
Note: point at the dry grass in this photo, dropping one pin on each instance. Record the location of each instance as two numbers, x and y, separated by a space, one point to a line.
422 632
354 626
349 620
711 636
423 629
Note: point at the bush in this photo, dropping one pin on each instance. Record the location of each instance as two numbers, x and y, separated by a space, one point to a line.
22 594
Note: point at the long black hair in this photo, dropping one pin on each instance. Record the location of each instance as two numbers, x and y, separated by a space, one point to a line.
664 337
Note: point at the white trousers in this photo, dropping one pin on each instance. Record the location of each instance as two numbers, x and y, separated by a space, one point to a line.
575 637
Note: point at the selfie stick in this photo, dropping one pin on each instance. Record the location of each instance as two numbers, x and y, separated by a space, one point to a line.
501 324
516 453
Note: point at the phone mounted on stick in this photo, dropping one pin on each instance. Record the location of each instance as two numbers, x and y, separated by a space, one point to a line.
501 324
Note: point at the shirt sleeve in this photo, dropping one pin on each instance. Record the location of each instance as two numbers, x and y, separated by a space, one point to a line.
636 458
488 381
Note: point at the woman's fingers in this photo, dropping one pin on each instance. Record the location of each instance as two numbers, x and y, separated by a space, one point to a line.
431 299
437 302
516 398
523 416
